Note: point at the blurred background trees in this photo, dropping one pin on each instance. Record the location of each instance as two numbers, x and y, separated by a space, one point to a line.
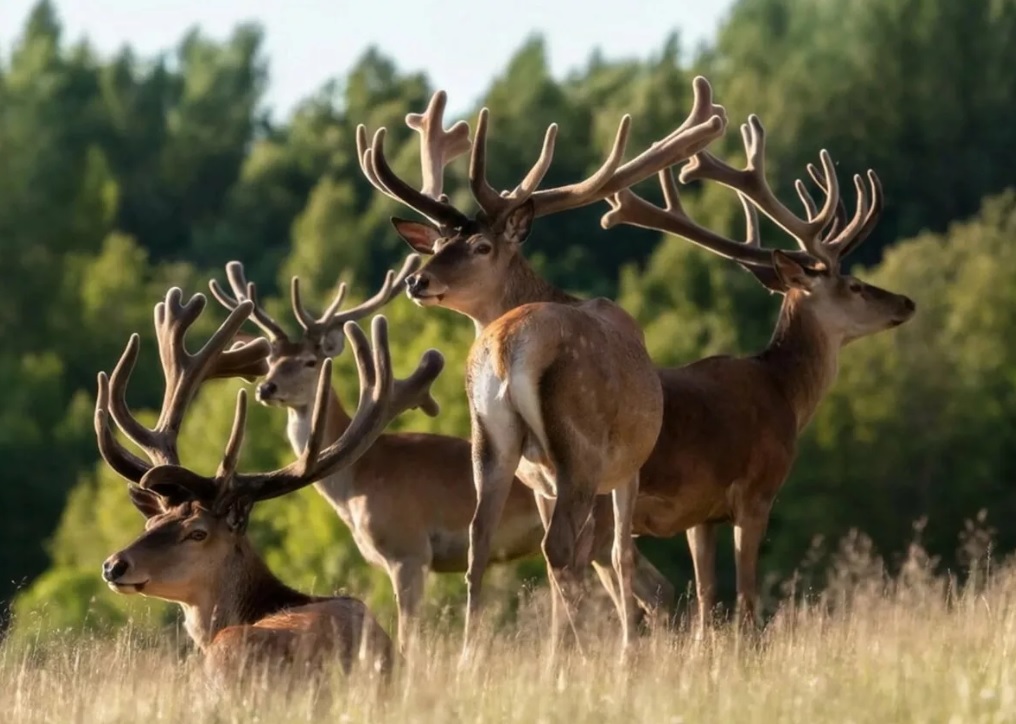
121 176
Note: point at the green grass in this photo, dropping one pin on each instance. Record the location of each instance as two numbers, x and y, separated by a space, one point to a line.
917 648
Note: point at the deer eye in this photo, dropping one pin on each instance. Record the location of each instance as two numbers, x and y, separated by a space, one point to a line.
197 535
310 363
482 248
854 287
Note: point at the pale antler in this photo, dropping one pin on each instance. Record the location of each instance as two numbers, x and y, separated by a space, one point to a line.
813 234
833 235
705 123
438 148
382 398
332 318
183 373
244 291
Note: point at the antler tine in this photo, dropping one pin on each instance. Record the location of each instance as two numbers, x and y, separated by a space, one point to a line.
839 220
438 147
706 122
439 212
231 456
497 206
845 243
752 182
242 291
123 461
381 400
184 371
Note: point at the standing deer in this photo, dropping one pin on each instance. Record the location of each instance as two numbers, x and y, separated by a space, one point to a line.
409 499
731 425
560 389
194 550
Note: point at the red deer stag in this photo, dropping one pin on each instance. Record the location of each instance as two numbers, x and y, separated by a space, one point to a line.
560 389
409 499
731 425
194 550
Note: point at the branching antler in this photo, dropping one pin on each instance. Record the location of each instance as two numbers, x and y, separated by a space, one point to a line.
183 373
705 123
382 398
438 148
245 291
825 235
813 233
314 328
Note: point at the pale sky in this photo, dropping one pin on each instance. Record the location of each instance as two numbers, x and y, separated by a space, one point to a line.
461 44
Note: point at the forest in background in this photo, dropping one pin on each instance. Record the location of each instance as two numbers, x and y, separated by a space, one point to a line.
122 176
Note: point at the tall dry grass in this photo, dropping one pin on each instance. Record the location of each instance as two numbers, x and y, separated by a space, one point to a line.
917 647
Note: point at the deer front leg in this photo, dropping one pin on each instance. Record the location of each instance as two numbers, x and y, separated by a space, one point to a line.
494 463
702 542
408 578
748 534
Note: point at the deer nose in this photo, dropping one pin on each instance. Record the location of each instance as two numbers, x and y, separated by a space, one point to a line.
114 568
265 390
908 303
416 284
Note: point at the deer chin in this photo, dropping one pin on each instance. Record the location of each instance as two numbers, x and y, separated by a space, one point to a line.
127 589
427 300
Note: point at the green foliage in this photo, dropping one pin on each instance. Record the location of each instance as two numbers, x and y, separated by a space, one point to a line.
123 176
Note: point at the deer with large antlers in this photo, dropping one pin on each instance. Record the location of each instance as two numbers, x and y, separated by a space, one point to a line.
408 501
560 389
194 550
731 425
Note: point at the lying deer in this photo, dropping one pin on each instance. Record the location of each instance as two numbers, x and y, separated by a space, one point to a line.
194 550
560 389
731 424
409 499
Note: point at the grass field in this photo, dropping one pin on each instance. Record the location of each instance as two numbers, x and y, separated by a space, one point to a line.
916 648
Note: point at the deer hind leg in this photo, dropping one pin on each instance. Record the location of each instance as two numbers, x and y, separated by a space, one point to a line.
623 556
565 563
653 592
495 459
408 579
702 542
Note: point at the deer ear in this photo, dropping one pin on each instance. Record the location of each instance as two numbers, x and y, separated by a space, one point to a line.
767 277
519 223
790 273
332 343
145 501
420 236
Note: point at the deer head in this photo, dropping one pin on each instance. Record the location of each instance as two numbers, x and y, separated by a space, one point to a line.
294 362
195 522
471 257
811 276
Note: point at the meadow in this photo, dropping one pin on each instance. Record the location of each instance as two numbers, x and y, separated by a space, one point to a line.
917 647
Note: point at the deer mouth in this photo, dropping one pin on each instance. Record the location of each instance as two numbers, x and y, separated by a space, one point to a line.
127 588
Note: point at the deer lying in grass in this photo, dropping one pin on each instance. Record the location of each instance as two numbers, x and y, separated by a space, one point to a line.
409 499
731 425
194 550
559 388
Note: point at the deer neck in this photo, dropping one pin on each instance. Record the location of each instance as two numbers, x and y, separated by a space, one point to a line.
300 418
521 285
802 356
335 488
244 595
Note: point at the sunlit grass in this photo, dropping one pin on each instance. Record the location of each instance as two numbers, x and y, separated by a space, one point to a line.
868 649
